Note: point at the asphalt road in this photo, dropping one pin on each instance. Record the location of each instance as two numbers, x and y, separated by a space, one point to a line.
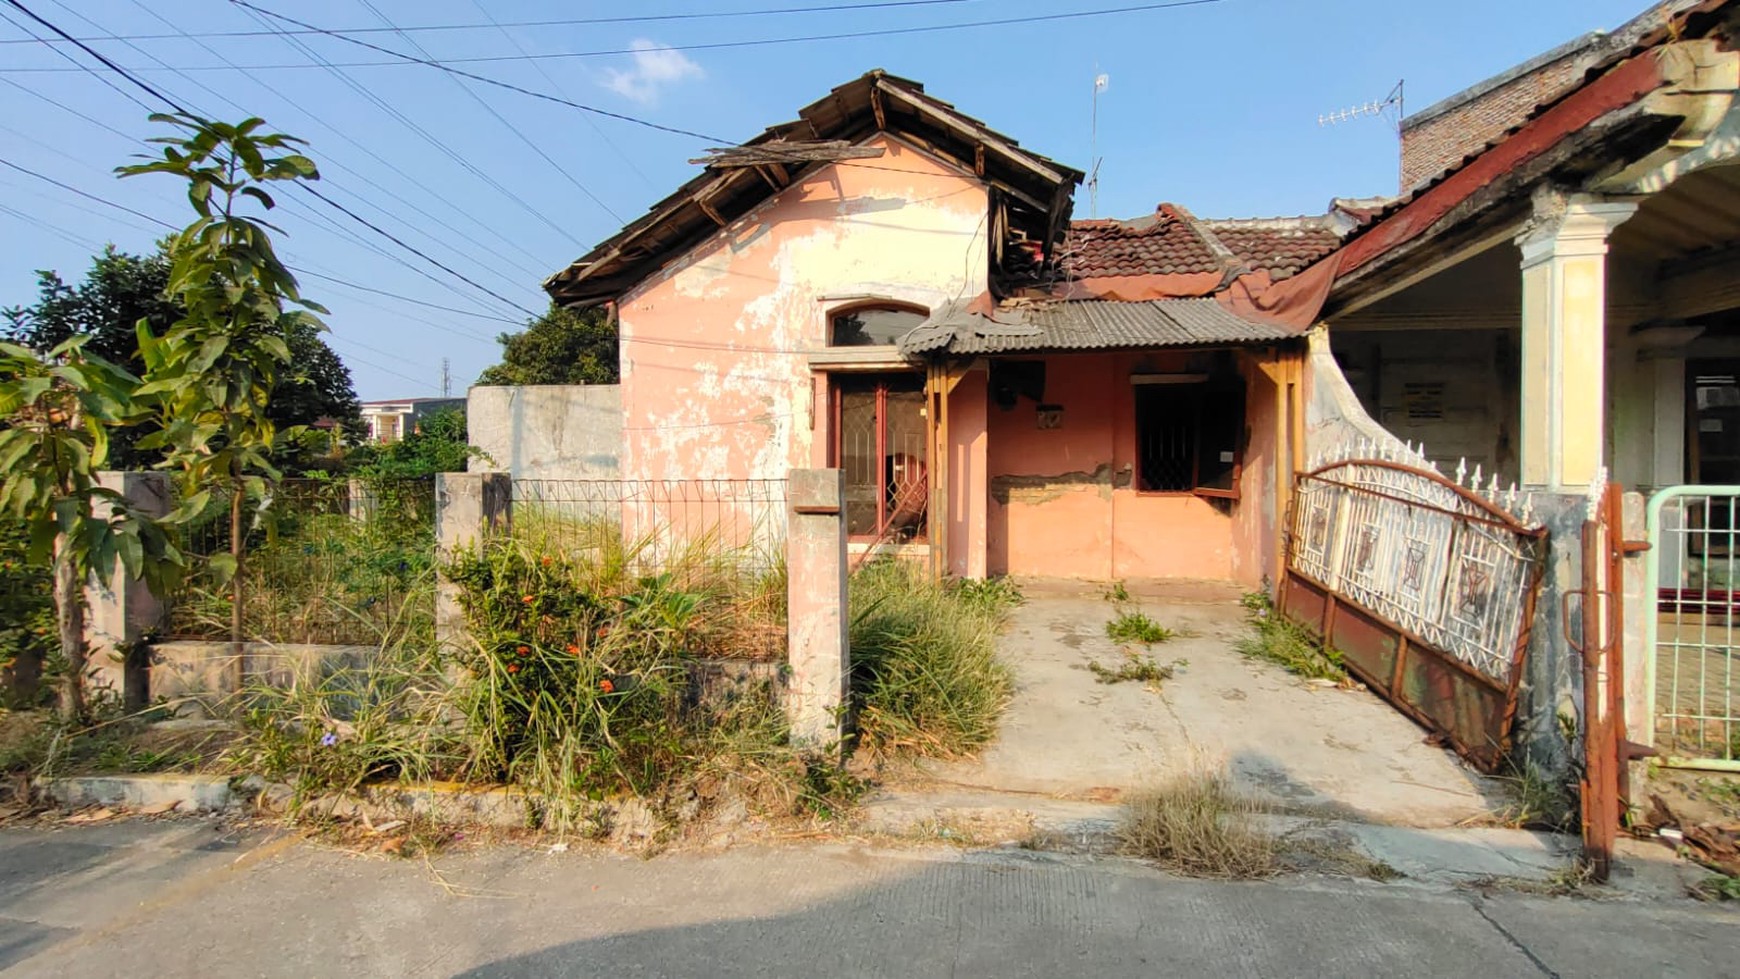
187 897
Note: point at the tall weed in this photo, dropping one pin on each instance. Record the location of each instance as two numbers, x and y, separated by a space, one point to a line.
925 675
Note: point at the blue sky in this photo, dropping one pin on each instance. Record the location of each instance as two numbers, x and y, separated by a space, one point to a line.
1214 106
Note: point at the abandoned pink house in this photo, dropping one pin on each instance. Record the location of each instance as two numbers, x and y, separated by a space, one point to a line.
889 287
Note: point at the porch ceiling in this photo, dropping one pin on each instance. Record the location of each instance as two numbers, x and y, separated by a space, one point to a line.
1700 212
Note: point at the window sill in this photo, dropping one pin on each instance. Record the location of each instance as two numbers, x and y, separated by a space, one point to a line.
859 358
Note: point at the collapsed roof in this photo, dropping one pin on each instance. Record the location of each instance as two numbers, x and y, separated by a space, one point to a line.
1035 192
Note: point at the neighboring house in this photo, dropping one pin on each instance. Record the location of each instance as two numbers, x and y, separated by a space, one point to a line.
1560 290
390 421
887 286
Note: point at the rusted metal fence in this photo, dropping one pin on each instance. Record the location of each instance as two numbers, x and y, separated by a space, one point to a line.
327 561
1426 588
1693 670
723 540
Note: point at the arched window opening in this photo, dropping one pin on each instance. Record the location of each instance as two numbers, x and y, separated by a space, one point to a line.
877 325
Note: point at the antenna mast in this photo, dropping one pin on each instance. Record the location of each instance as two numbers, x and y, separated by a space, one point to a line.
1381 108
1101 83
446 378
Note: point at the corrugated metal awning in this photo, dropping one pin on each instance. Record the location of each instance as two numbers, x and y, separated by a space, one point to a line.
1089 325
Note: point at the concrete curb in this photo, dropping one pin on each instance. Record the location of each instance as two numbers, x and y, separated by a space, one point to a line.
1437 856
443 802
186 793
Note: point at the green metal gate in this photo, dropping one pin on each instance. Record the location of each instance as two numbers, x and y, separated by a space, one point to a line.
1692 670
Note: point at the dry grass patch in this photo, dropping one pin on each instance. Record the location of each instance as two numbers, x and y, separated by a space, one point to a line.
1197 824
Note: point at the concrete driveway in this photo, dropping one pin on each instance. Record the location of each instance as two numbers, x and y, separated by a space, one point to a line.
1303 747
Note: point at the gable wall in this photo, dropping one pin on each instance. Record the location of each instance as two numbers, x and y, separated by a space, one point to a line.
715 378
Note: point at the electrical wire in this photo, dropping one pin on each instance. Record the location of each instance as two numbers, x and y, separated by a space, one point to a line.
481 78
445 200
160 96
447 63
425 135
534 147
567 22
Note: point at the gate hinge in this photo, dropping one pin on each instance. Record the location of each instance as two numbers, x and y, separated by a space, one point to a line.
1630 547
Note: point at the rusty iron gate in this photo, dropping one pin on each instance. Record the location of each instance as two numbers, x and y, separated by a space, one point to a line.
1426 589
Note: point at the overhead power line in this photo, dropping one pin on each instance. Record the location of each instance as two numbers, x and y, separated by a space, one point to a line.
480 78
129 76
446 64
563 22
445 200
530 144
299 271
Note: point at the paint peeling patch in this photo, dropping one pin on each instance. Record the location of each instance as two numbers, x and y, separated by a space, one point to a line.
1033 490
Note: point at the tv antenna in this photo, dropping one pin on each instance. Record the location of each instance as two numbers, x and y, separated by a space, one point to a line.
1391 107
1102 82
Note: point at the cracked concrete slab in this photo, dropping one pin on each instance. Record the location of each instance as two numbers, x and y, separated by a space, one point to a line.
1298 746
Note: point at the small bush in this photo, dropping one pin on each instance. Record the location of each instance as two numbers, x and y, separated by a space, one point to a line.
995 596
1141 669
1133 627
925 674
1536 800
1196 824
1288 644
1718 887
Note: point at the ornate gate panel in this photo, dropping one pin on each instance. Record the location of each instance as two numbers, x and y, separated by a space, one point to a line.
1426 588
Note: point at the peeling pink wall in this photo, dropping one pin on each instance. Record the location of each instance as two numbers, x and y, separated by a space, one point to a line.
1062 502
716 383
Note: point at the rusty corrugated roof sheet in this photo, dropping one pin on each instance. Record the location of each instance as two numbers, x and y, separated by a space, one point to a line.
1090 325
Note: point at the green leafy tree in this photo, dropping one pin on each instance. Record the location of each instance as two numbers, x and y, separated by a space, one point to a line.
118 291
437 445
59 411
212 374
563 346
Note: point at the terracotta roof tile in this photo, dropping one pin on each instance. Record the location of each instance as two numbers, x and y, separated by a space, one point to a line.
1283 246
1163 243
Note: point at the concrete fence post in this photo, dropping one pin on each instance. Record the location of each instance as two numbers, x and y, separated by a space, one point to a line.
816 606
469 507
120 615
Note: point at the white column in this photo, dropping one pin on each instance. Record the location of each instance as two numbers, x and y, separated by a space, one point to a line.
1564 338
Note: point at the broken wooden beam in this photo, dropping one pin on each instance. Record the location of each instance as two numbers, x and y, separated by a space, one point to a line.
782 151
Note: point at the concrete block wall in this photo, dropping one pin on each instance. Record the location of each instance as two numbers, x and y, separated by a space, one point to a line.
565 431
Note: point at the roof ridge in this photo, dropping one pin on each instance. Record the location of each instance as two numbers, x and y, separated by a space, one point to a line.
1231 265
1312 222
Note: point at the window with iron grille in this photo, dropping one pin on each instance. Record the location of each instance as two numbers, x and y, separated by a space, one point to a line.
1190 437
880 443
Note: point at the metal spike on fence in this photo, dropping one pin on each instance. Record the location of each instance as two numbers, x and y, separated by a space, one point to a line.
1475 483
1461 470
1492 491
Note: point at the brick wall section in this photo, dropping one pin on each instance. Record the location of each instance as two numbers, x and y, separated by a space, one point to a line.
1441 142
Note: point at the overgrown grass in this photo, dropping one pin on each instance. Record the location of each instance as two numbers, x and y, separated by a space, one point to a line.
1134 668
1288 644
1197 824
38 744
1131 626
576 686
925 674
741 590
315 573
